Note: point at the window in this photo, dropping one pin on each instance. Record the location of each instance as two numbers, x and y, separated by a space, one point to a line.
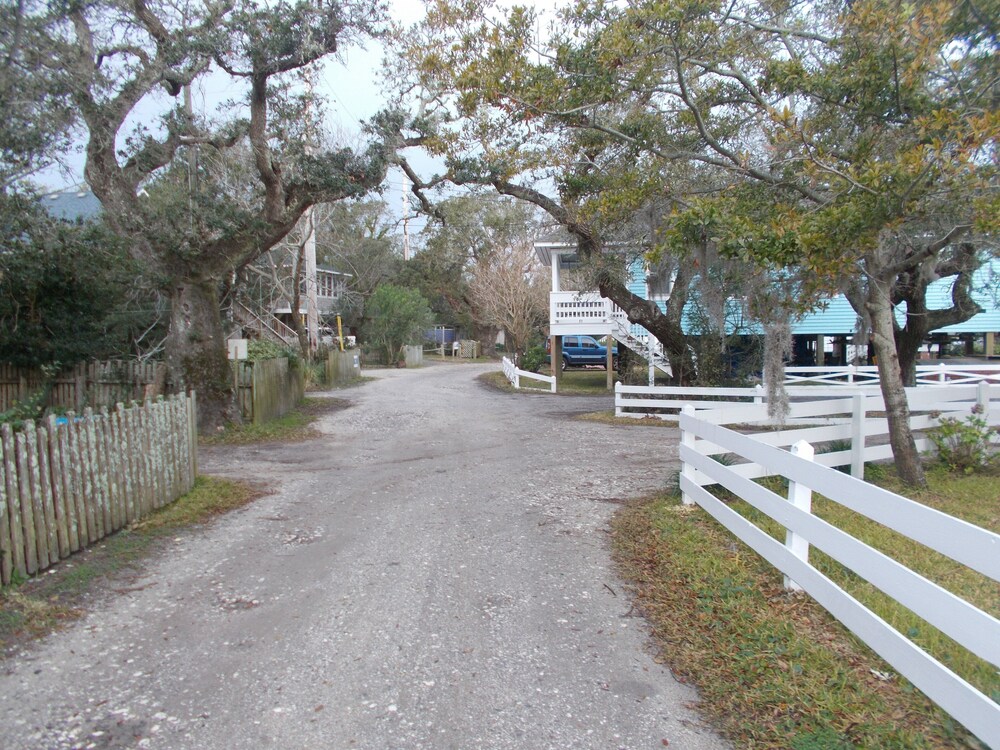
659 283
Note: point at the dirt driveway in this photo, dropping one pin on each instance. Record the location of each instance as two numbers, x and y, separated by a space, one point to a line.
433 573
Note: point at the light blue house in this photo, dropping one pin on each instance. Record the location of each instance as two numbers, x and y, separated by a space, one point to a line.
822 336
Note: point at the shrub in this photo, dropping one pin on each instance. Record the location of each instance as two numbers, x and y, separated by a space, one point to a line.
533 359
260 349
964 445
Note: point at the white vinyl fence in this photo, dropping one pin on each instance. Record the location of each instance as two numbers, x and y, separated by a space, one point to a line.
704 434
665 402
514 375
938 374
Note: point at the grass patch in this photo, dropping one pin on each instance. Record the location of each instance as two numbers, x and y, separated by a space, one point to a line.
294 426
774 669
574 383
584 383
608 417
34 608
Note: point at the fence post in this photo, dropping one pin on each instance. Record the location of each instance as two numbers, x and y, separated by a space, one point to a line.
618 399
687 438
801 497
649 356
858 414
850 374
759 394
983 399
942 373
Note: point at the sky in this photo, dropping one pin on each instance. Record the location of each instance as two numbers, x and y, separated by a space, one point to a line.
350 83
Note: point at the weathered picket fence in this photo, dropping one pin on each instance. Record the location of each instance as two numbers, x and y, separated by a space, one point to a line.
268 388
514 374
704 435
75 480
86 384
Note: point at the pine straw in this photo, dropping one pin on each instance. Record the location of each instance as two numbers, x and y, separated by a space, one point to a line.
773 669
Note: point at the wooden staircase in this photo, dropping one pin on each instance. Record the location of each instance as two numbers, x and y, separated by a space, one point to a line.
263 325
621 331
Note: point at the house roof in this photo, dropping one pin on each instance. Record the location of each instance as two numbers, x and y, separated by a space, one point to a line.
559 244
70 204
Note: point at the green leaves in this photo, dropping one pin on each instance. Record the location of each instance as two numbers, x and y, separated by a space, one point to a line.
396 316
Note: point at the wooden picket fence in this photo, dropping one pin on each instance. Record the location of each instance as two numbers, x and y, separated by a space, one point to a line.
92 384
268 389
73 481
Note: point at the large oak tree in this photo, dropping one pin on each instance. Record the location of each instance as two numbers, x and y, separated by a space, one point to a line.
123 66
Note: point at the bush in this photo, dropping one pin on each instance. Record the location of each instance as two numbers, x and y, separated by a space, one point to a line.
964 445
260 349
533 359
397 316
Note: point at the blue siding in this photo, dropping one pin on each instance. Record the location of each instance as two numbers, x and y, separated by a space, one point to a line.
838 317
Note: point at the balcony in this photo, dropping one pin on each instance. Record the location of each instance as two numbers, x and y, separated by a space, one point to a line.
582 312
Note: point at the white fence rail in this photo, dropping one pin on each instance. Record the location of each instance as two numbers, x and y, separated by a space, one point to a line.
665 402
514 375
852 375
833 423
703 436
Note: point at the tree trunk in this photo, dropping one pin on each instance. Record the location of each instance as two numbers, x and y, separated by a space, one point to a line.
908 342
665 327
197 355
296 305
904 448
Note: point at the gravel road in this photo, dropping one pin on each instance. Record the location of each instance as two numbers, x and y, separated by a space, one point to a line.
432 573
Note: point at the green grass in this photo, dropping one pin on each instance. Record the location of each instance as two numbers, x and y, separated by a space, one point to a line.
292 427
574 383
608 417
33 608
774 669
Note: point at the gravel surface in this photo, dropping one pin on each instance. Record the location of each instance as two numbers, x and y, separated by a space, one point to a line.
432 573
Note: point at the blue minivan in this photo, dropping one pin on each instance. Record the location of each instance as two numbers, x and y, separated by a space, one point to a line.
578 351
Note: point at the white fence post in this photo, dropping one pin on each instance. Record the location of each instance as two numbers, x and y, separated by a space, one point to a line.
983 399
801 497
942 373
850 373
618 398
687 438
649 358
858 414
759 396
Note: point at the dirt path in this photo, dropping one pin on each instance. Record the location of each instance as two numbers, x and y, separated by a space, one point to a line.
431 574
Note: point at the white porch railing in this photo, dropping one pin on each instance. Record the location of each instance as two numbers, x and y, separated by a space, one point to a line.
514 375
582 309
702 436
